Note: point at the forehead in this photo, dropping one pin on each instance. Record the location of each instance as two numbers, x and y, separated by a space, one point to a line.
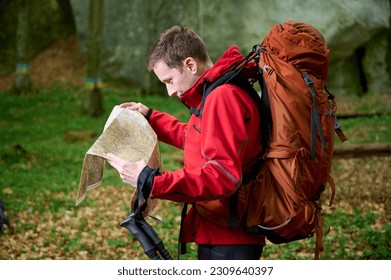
163 72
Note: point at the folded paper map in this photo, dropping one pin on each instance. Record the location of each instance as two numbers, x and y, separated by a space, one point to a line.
126 134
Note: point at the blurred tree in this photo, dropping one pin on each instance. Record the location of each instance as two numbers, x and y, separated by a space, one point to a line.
22 83
93 82
389 53
152 13
47 22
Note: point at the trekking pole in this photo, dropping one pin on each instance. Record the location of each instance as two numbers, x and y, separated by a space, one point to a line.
147 237
141 230
151 233
149 248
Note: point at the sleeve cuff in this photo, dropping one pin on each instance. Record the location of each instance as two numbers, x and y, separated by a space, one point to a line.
145 180
148 115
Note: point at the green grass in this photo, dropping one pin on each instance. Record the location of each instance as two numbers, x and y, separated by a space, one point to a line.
40 174
369 129
372 243
33 152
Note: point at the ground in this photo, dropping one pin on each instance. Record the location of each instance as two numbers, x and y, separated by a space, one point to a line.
366 184
62 62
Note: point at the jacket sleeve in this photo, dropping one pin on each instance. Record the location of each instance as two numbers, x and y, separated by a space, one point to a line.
223 138
168 128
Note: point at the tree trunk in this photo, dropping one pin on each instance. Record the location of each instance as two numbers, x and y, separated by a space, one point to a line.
363 150
94 103
22 83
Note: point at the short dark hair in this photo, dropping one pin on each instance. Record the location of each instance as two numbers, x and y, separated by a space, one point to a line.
176 44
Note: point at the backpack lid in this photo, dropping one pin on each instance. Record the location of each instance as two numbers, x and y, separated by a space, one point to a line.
301 45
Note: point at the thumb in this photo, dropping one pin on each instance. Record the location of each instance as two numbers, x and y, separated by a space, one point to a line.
111 156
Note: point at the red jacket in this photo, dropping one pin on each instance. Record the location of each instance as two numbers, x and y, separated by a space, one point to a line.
218 148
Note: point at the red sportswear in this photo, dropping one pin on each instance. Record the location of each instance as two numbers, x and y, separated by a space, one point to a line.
218 148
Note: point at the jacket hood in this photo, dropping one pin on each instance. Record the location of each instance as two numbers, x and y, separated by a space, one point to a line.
193 96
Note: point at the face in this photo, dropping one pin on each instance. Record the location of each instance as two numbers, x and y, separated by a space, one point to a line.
176 80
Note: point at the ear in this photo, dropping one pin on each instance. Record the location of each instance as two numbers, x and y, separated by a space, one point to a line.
191 65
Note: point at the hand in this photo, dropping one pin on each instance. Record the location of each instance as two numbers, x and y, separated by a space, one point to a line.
135 107
128 171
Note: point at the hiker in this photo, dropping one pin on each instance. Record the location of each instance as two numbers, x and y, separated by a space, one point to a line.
3 219
221 145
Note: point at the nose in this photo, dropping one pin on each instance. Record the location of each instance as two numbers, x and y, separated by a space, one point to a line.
170 90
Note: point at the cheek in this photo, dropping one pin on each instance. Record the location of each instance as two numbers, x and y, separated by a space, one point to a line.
179 85
188 82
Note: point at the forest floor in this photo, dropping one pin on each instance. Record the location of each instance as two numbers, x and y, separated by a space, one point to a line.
366 181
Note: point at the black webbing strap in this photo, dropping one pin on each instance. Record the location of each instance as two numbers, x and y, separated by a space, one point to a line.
182 246
337 127
265 111
144 185
315 120
227 78
208 88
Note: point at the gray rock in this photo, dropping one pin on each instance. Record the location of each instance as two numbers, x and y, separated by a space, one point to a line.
357 33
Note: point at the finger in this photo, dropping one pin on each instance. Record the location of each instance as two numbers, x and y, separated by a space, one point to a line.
124 178
113 164
113 157
114 161
130 105
126 104
110 156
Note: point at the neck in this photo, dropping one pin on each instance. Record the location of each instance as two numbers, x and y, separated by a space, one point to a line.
204 67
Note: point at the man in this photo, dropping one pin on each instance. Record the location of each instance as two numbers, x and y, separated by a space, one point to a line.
219 147
3 219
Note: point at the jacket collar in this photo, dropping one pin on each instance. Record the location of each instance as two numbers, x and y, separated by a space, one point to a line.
192 97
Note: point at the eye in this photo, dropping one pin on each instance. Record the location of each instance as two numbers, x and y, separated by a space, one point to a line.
169 81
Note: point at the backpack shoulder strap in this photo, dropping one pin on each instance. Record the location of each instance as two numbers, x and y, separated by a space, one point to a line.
209 87
236 77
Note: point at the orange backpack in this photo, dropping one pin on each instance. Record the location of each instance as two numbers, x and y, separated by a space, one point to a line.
298 116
